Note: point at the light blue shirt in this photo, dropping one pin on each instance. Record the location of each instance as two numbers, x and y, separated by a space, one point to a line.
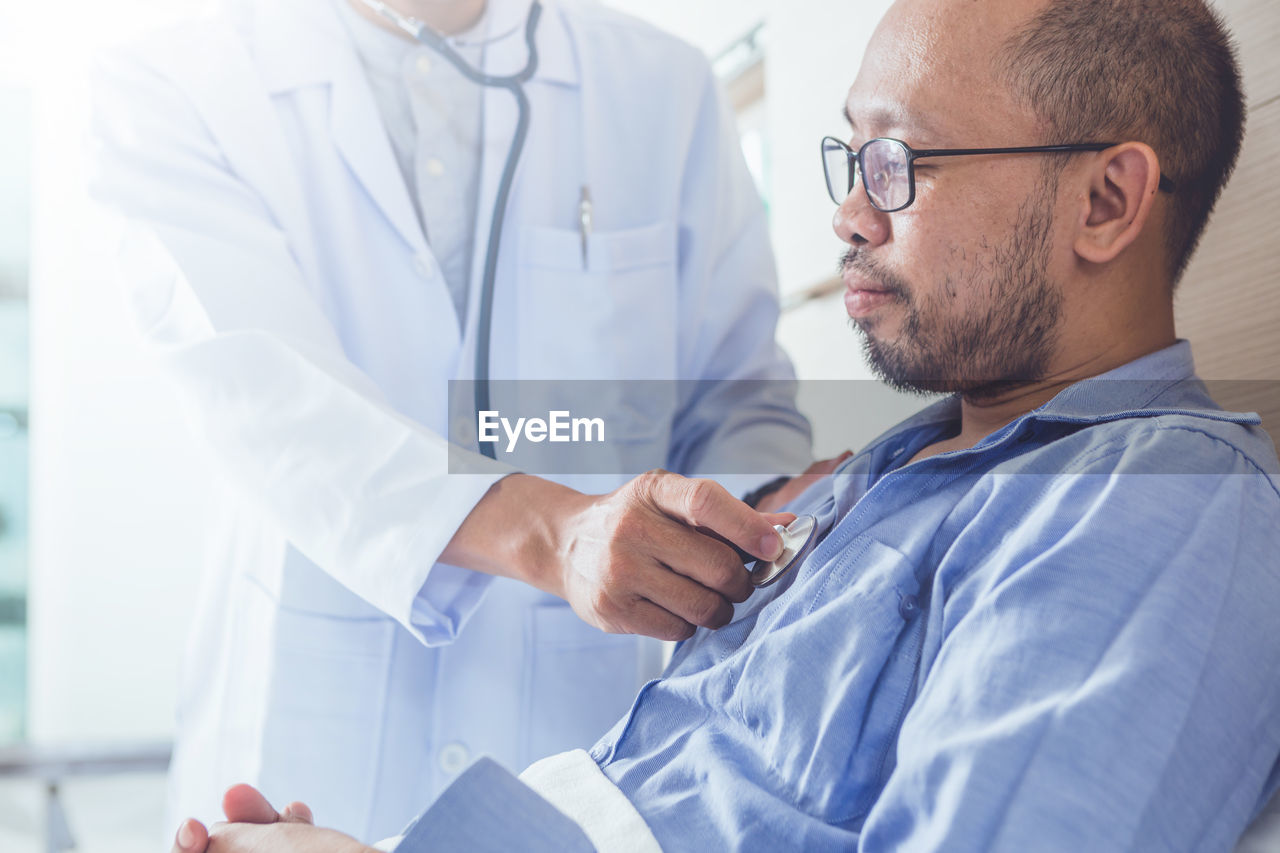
1064 638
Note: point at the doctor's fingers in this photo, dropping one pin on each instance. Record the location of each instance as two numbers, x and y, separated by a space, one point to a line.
658 622
701 558
707 504
682 597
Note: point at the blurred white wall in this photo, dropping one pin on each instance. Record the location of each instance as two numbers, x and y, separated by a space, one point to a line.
116 489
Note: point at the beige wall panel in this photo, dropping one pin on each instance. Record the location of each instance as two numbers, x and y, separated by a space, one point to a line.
1256 24
1229 302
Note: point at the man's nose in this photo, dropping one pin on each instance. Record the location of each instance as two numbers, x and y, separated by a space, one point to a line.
858 223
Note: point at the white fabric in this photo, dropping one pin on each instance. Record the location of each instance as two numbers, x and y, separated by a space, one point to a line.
576 785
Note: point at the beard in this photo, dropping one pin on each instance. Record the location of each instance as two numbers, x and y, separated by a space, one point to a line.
1003 341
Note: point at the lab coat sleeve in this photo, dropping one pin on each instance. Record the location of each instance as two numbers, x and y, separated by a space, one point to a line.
1101 687
748 430
357 487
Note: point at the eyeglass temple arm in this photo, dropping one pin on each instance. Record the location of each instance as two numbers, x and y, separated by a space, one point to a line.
1166 185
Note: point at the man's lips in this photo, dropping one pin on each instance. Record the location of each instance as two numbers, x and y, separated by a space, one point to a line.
862 296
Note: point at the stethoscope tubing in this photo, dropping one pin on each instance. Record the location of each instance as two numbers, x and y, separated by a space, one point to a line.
514 83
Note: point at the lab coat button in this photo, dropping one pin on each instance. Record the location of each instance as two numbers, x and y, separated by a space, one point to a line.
424 64
908 607
435 168
424 265
462 431
453 758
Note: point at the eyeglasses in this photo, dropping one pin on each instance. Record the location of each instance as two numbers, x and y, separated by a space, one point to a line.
888 167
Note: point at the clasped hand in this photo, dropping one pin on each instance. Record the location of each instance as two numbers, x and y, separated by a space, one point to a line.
253 826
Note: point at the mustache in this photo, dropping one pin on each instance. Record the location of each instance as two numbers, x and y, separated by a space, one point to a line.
857 261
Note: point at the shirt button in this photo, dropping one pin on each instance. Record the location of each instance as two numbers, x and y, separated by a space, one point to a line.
435 168
424 64
908 607
424 265
453 758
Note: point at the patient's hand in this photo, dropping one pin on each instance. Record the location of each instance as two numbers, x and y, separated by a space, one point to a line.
775 500
253 826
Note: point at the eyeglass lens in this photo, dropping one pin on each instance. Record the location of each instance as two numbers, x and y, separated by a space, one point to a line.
886 167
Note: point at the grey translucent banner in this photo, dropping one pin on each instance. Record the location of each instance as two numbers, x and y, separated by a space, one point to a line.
749 427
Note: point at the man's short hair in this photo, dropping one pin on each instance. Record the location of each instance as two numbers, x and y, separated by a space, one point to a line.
1163 72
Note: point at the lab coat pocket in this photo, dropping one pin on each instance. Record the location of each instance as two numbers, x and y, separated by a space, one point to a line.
578 680
610 317
324 720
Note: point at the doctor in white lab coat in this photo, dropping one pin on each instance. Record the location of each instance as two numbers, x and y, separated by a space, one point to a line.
350 646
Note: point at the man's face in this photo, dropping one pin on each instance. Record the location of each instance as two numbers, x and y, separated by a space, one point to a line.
956 292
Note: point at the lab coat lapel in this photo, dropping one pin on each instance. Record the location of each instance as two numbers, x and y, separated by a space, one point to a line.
303 43
360 137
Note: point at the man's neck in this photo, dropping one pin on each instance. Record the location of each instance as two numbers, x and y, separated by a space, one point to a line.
981 415
449 18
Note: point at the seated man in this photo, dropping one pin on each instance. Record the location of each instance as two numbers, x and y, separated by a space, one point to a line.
1045 612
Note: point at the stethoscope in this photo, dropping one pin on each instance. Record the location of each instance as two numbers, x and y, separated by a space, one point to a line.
513 83
798 539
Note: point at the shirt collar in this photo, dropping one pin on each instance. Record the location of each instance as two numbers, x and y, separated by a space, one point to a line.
1162 382
294 41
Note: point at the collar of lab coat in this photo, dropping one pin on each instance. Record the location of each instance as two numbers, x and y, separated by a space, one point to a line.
295 41
304 42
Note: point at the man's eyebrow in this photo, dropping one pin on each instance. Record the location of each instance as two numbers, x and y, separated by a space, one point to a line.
889 119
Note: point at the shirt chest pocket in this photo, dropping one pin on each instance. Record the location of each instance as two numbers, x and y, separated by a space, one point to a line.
830 675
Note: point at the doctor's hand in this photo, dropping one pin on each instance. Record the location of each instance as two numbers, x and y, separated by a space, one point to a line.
253 825
658 556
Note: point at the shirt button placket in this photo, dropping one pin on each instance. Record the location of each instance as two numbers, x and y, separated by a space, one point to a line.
453 758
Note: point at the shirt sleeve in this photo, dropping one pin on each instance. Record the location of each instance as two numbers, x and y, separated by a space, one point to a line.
488 809
361 489
1109 677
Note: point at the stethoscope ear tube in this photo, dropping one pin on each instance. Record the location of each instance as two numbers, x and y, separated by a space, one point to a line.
515 84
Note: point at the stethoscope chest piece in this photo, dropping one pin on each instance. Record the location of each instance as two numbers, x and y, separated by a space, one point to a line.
797 540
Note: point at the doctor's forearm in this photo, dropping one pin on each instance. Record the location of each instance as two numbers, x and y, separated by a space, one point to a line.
512 531
648 558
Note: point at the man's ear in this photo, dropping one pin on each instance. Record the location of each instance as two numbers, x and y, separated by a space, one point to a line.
1122 190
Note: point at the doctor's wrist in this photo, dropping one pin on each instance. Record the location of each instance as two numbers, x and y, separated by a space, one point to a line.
517 531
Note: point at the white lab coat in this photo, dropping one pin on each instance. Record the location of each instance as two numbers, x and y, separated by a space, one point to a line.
280 271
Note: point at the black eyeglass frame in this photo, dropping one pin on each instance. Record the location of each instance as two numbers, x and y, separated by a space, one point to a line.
855 160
